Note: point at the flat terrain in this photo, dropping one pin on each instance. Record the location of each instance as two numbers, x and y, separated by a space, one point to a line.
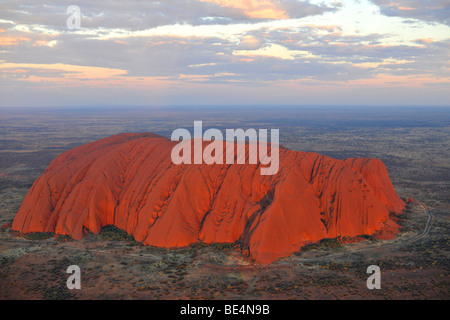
412 142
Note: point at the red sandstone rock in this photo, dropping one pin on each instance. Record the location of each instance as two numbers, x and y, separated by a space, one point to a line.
129 181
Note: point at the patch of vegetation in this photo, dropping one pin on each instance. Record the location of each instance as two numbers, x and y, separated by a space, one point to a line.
57 293
5 261
113 233
197 246
63 238
368 237
38 235
194 248
221 247
5 227
324 244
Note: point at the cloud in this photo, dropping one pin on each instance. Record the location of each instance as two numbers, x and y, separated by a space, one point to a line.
177 45
262 9
428 10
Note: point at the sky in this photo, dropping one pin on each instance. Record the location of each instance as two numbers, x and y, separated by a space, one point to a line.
225 52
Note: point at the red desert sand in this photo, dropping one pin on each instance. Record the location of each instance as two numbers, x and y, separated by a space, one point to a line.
129 181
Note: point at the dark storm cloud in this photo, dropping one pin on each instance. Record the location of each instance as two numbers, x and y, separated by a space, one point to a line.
141 56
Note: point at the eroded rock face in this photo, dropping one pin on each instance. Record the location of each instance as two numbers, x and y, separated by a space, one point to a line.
129 181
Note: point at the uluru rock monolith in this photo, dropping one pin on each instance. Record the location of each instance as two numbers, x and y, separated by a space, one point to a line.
129 181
